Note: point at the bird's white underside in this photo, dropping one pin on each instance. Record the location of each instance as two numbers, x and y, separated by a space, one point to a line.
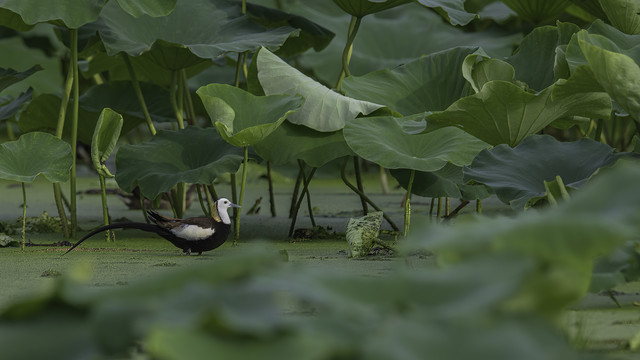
192 232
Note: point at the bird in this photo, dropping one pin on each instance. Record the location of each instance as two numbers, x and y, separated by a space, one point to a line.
196 234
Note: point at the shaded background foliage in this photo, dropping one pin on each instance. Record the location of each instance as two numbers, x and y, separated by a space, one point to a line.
451 95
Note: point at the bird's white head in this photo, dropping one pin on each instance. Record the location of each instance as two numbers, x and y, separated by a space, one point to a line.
222 205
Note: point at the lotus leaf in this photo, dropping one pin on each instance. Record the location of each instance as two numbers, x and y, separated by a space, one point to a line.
323 110
215 28
153 8
13 21
360 8
617 73
192 155
381 43
383 141
105 137
503 113
534 61
243 119
538 11
452 10
71 13
446 182
120 96
430 83
517 175
623 14
479 71
34 154
290 142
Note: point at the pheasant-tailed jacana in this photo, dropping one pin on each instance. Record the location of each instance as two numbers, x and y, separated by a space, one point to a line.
195 234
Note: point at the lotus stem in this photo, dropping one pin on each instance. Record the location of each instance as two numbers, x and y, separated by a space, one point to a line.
356 167
597 137
479 206
407 203
307 193
433 202
213 191
236 235
74 129
305 187
362 195
439 212
190 109
57 194
10 133
244 7
205 210
272 200
294 195
447 206
234 194
105 209
143 207
354 25
24 216
138 91
174 94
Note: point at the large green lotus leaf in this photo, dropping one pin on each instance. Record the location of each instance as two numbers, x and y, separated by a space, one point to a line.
215 28
360 8
13 21
192 155
592 7
617 73
71 13
105 137
517 175
312 35
538 11
16 55
41 114
623 14
478 70
534 61
430 83
452 10
381 43
243 119
34 154
383 141
503 113
446 182
120 96
323 110
153 8
290 142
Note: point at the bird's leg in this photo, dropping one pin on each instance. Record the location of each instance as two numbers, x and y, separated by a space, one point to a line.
186 252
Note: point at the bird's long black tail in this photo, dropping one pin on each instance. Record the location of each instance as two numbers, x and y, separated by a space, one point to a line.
128 225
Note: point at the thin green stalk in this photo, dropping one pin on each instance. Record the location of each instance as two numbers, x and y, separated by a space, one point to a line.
138 91
356 167
24 216
433 202
74 129
354 25
105 209
294 195
234 196
272 199
175 105
244 7
447 206
143 207
213 191
305 187
439 212
407 203
208 196
57 194
205 210
362 195
599 127
10 133
308 194
241 59
236 235
191 112
64 103
479 206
